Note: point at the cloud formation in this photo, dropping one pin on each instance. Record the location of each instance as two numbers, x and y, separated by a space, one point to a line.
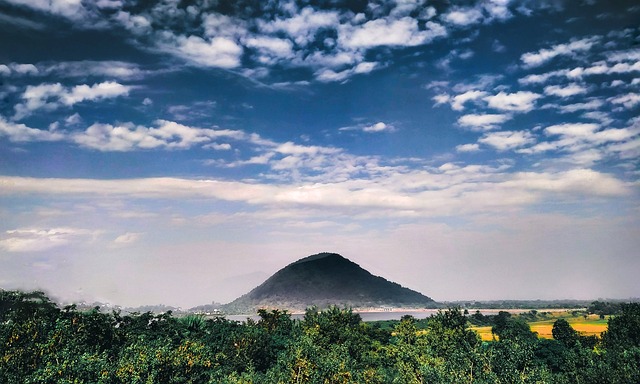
483 122
507 140
535 59
43 239
521 101
50 97
325 40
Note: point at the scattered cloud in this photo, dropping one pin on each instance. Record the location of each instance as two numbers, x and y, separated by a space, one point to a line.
468 148
71 9
458 102
483 122
588 143
629 100
167 135
386 32
21 133
463 16
219 52
371 128
586 106
43 239
52 96
522 101
536 59
127 238
565 91
378 127
444 191
111 69
507 140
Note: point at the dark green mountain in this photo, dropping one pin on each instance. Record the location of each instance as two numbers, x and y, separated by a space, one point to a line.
327 279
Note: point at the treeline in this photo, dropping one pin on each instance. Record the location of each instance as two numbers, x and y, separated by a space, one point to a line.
42 343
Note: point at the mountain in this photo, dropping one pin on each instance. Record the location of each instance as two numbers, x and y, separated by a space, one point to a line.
327 279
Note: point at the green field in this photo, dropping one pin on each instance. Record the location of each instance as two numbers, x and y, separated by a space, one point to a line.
591 325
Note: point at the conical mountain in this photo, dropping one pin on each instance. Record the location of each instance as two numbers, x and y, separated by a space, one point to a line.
327 279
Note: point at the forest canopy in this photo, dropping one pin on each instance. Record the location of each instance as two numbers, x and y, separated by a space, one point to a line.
42 343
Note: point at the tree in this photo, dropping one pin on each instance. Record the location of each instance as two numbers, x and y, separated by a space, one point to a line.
564 333
623 331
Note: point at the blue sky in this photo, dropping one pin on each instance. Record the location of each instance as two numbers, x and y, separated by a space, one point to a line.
180 152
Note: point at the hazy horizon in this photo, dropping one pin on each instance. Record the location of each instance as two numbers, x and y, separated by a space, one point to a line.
180 152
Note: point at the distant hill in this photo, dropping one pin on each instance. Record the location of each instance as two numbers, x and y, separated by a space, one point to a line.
326 279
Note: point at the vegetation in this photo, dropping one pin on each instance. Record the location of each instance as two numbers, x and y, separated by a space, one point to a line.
42 343
542 323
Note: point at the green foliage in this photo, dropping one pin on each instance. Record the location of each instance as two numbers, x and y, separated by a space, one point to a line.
563 332
41 343
604 308
624 331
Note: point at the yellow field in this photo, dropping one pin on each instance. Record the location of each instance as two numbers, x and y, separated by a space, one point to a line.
592 325
484 332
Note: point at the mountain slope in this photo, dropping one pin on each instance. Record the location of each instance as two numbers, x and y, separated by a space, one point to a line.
325 279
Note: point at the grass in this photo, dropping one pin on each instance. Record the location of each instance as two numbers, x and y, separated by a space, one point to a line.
592 325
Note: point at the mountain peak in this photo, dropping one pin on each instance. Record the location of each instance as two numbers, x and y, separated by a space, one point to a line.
327 279
320 256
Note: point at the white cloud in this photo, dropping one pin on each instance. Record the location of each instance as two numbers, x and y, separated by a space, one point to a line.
329 75
535 59
303 26
572 129
626 55
541 78
586 143
588 105
441 99
218 147
21 133
463 16
72 120
467 148
498 9
290 148
483 122
106 90
577 73
71 9
565 91
43 239
458 101
629 100
507 140
107 68
271 49
381 32
446 191
139 25
18 69
52 96
603 117
370 128
522 101
66 69
378 127
168 135
574 133
21 22
127 238
219 52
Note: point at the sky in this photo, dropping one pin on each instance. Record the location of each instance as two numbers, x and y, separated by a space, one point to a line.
180 152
